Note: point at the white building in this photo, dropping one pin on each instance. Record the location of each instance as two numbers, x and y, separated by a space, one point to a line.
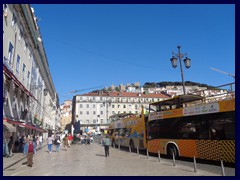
94 109
30 99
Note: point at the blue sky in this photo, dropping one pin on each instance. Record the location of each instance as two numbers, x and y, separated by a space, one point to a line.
99 45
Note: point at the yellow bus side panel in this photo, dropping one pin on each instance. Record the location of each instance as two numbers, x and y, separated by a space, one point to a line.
187 148
228 105
217 150
204 149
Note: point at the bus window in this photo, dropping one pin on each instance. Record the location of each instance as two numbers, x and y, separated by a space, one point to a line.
122 132
128 132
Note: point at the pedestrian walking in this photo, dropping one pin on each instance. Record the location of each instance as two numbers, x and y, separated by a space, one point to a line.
107 143
21 141
35 143
50 141
70 138
25 148
65 141
10 147
40 141
30 152
57 143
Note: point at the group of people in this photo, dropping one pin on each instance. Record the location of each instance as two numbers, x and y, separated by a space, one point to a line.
56 139
28 144
21 144
86 139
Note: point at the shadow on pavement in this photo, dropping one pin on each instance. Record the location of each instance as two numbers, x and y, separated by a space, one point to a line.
100 155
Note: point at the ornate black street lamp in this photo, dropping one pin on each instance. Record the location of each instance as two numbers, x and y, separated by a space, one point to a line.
174 60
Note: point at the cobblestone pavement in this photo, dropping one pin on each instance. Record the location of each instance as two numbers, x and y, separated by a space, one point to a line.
89 160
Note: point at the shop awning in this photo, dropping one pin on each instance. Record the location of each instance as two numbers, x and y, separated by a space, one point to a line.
28 126
9 126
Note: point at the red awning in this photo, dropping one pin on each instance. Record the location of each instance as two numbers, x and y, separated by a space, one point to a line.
23 125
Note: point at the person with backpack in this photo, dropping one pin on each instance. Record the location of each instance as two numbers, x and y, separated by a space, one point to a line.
107 143
57 143
30 152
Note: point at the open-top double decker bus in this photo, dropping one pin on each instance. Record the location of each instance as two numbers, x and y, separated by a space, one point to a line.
191 125
128 129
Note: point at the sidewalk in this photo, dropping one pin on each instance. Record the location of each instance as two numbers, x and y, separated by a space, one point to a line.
120 163
8 162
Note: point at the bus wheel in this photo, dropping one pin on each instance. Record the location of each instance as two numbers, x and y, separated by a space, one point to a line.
131 145
171 148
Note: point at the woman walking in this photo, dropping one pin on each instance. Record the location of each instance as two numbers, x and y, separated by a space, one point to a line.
50 141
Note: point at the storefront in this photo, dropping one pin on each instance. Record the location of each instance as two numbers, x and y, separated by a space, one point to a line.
8 130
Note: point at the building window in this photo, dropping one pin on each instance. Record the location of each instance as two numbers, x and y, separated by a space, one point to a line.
26 46
14 21
94 98
118 106
23 71
136 112
119 112
113 106
124 106
130 111
87 121
101 105
28 78
94 121
18 64
136 106
20 37
80 112
94 105
87 105
14 104
101 112
94 112
113 112
81 98
6 87
101 121
10 53
80 105
87 112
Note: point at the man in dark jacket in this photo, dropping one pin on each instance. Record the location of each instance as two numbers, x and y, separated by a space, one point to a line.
10 147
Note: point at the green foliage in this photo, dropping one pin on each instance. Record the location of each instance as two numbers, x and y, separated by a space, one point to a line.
176 83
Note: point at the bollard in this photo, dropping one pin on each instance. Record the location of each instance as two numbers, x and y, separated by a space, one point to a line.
194 164
223 171
159 156
119 145
147 154
174 164
129 149
137 151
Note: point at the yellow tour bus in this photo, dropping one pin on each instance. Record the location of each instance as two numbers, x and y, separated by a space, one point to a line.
127 129
191 125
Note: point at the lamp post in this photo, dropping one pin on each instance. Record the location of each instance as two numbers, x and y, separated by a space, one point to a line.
179 55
